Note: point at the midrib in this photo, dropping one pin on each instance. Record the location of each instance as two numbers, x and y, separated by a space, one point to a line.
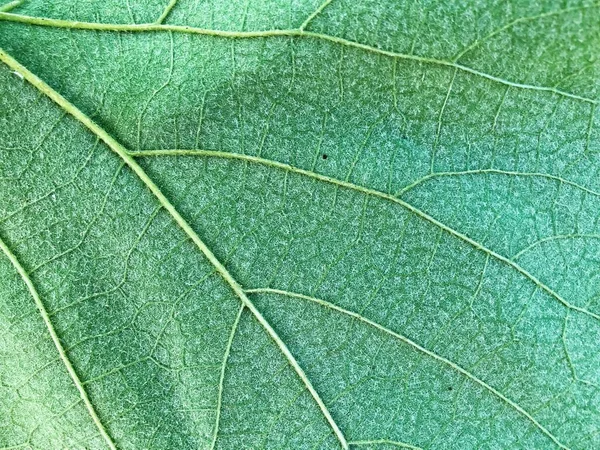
168 206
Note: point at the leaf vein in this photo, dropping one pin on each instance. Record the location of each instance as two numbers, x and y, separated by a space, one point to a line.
348 185
10 5
56 340
166 12
497 172
514 22
222 375
314 14
417 347
115 146
149 27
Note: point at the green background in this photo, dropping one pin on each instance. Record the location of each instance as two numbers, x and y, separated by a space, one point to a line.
412 187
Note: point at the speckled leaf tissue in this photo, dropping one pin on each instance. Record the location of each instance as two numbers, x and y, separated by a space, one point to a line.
261 224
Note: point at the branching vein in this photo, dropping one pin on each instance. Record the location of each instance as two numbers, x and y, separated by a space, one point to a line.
56 340
315 14
166 12
496 172
514 22
10 6
148 27
181 222
222 376
417 347
416 211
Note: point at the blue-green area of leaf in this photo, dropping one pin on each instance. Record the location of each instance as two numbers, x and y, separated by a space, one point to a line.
401 199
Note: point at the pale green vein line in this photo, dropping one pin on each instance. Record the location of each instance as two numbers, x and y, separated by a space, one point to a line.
436 141
166 12
423 215
56 340
416 346
222 376
496 172
511 24
11 5
570 363
168 206
315 14
384 442
58 23
557 237
521 85
141 27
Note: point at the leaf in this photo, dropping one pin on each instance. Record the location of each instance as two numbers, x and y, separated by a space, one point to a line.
293 225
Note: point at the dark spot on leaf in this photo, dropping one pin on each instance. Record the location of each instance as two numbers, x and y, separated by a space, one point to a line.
324 156
450 388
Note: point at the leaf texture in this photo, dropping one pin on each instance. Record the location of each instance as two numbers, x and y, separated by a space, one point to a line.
299 225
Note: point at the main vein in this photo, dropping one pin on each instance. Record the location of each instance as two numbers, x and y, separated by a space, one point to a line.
147 27
56 340
416 346
413 209
114 145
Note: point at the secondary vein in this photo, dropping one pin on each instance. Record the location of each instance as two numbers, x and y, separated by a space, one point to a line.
147 27
115 146
222 375
166 12
11 5
413 209
56 340
417 347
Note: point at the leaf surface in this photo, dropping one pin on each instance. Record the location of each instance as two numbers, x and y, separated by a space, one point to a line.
294 224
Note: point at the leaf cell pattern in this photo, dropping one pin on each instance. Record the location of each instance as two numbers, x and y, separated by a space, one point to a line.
299 225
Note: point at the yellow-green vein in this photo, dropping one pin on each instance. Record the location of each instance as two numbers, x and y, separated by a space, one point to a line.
417 347
114 145
56 340
166 12
315 13
222 375
419 213
514 22
10 6
548 176
153 27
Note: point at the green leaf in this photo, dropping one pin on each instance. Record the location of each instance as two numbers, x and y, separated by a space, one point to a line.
299 225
